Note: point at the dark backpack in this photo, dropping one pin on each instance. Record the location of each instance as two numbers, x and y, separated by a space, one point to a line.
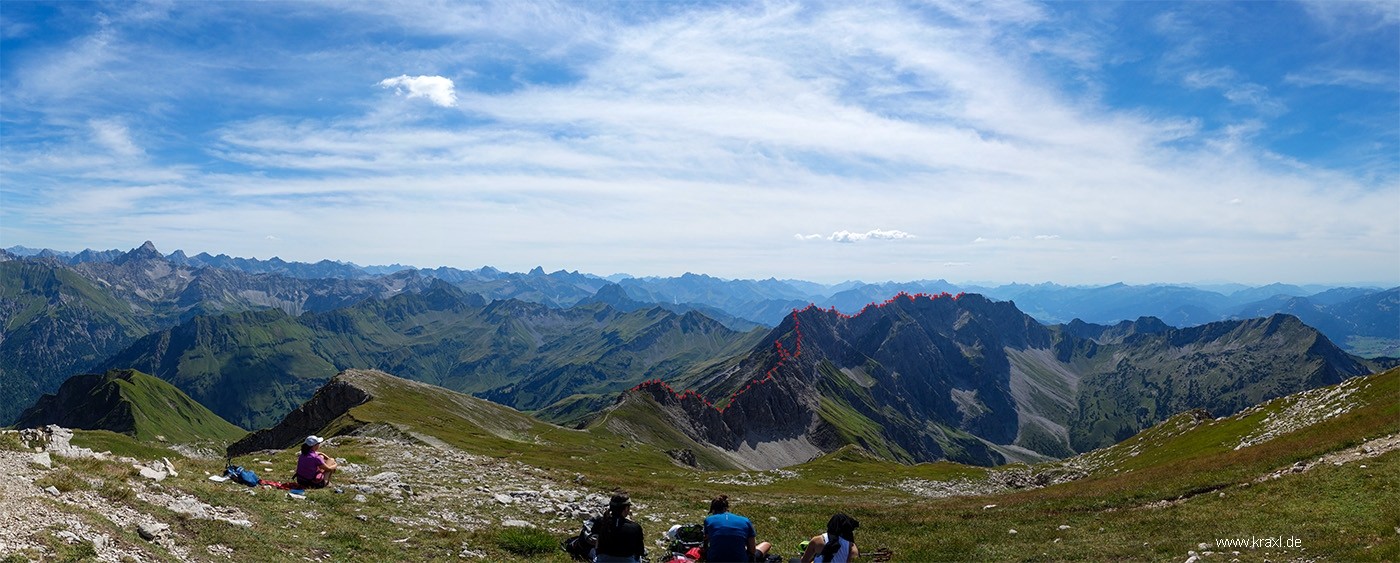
579 547
688 536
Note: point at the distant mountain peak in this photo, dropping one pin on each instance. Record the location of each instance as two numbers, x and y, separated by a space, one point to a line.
146 252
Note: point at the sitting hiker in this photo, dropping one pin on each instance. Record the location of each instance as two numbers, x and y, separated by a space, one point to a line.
837 545
729 537
314 468
619 539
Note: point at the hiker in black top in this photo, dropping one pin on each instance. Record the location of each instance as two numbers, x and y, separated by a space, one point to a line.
619 539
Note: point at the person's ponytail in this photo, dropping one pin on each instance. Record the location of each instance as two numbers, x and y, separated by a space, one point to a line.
839 527
605 523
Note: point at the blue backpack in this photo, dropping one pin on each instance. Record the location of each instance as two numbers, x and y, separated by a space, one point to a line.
241 475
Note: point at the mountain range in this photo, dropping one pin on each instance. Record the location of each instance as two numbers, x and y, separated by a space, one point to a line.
970 378
965 378
59 319
1360 319
254 367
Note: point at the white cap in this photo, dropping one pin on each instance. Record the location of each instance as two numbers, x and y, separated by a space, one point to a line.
673 532
314 440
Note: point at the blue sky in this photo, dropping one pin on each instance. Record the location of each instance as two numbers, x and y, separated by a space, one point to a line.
1075 142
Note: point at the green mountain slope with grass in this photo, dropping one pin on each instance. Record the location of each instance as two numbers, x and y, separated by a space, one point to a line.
374 403
55 324
429 474
253 368
58 319
132 403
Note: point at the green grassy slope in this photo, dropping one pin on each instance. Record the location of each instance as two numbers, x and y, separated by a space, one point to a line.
253 368
1157 496
75 323
132 403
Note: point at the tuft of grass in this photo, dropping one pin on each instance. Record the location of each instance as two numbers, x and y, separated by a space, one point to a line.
65 480
9 442
526 541
121 444
81 551
115 491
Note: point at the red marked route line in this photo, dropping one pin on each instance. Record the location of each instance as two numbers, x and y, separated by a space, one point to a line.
783 355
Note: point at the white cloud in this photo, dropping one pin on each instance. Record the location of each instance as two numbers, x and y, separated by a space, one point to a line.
437 89
1346 77
115 137
1235 89
877 234
1046 237
1355 16
712 127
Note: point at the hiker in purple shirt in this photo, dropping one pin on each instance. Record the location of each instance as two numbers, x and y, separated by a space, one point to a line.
314 468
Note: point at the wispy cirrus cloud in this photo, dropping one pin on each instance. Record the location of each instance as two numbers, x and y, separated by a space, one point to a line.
115 137
1235 88
1345 77
699 138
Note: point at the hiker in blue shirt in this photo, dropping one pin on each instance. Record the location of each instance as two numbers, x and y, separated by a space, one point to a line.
729 537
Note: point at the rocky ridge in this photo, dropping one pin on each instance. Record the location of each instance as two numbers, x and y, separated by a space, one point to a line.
963 378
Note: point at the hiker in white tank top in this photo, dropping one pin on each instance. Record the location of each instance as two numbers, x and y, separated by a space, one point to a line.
841 530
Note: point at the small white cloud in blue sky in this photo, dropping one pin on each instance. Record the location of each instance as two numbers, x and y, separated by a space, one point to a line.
876 234
438 90
844 236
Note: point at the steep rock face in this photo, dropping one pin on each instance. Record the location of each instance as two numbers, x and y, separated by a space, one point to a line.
331 402
914 378
927 359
